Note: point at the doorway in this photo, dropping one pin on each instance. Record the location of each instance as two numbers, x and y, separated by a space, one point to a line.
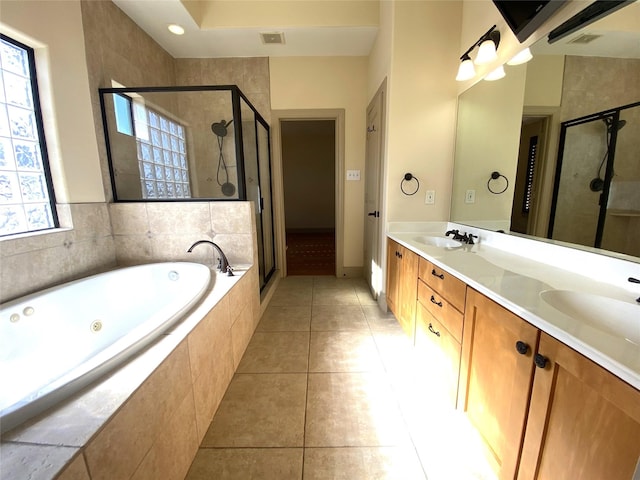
308 150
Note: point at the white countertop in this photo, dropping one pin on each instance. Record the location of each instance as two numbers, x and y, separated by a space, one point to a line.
513 271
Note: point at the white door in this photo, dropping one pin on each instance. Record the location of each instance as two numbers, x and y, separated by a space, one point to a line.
373 163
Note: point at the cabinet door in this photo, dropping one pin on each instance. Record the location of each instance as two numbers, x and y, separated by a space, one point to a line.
393 260
584 422
440 355
495 379
408 290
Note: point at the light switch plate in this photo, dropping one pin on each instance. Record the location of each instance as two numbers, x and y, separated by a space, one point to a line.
353 174
470 196
430 197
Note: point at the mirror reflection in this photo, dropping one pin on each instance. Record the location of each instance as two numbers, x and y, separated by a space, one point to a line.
561 104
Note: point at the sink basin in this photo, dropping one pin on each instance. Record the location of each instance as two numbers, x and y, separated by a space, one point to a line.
608 315
441 242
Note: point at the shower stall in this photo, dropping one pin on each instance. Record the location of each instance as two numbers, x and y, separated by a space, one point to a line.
596 196
184 144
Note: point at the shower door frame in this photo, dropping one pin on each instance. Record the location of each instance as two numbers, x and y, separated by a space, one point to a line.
614 114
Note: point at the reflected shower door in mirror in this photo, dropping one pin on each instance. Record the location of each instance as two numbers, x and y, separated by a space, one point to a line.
569 79
597 187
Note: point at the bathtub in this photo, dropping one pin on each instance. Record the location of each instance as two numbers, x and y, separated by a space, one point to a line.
55 342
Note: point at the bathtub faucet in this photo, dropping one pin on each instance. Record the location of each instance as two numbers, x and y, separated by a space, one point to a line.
223 263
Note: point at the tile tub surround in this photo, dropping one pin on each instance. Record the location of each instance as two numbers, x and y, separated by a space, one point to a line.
318 395
146 419
513 271
81 247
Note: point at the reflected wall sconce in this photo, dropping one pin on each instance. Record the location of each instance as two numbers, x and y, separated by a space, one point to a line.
497 74
487 52
496 176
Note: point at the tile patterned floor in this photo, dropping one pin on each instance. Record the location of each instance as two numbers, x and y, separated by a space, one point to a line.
331 388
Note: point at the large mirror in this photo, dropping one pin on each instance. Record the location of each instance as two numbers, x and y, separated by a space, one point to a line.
564 100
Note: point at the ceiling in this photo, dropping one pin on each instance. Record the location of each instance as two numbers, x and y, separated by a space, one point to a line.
305 39
616 35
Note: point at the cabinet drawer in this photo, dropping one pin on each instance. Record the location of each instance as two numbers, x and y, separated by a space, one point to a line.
440 354
441 309
443 283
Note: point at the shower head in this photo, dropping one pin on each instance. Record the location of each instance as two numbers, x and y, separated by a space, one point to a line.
220 128
609 123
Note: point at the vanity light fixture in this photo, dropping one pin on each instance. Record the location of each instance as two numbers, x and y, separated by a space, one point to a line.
487 52
497 74
175 29
523 57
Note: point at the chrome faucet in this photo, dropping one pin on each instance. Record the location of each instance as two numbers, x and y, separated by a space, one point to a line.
223 263
635 280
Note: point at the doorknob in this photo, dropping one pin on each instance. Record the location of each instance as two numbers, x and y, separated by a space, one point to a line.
374 214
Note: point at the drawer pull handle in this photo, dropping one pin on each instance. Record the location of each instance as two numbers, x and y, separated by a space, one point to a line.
540 360
522 347
432 330
433 300
441 276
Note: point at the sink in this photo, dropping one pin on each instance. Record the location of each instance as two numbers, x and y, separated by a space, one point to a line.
441 242
608 315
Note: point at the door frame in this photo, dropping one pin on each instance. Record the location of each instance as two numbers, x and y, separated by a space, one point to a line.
338 115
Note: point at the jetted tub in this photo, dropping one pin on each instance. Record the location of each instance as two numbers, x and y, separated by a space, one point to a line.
55 342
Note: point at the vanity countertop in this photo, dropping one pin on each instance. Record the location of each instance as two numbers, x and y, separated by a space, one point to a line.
517 280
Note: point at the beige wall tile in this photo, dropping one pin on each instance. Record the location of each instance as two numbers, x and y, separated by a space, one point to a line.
241 332
231 217
172 453
133 249
76 470
179 218
129 218
118 449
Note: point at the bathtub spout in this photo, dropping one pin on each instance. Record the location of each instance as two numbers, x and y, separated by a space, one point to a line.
223 263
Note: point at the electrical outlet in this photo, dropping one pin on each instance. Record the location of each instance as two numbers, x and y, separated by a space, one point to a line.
430 197
470 196
353 174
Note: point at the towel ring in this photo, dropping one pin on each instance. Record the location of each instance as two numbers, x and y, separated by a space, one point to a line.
495 176
407 178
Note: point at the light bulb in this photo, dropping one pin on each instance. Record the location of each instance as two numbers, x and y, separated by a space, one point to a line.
175 29
497 74
486 52
523 57
466 71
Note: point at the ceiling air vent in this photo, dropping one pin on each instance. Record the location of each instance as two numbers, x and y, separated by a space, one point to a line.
585 38
276 38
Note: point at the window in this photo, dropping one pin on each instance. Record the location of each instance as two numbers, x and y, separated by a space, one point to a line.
161 147
531 166
27 203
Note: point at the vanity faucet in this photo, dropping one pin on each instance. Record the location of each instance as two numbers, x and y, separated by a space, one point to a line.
455 233
635 280
223 263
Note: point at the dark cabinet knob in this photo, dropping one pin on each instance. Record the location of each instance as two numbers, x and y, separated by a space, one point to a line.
435 302
522 347
540 360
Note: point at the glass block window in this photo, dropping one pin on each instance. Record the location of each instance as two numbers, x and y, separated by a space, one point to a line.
162 154
26 193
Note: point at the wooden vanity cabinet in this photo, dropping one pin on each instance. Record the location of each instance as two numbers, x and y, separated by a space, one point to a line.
495 378
402 280
584 422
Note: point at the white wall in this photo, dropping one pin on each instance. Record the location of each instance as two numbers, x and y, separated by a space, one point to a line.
299 83
54 30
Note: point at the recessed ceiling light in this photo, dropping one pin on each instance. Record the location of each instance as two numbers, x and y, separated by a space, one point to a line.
176 29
